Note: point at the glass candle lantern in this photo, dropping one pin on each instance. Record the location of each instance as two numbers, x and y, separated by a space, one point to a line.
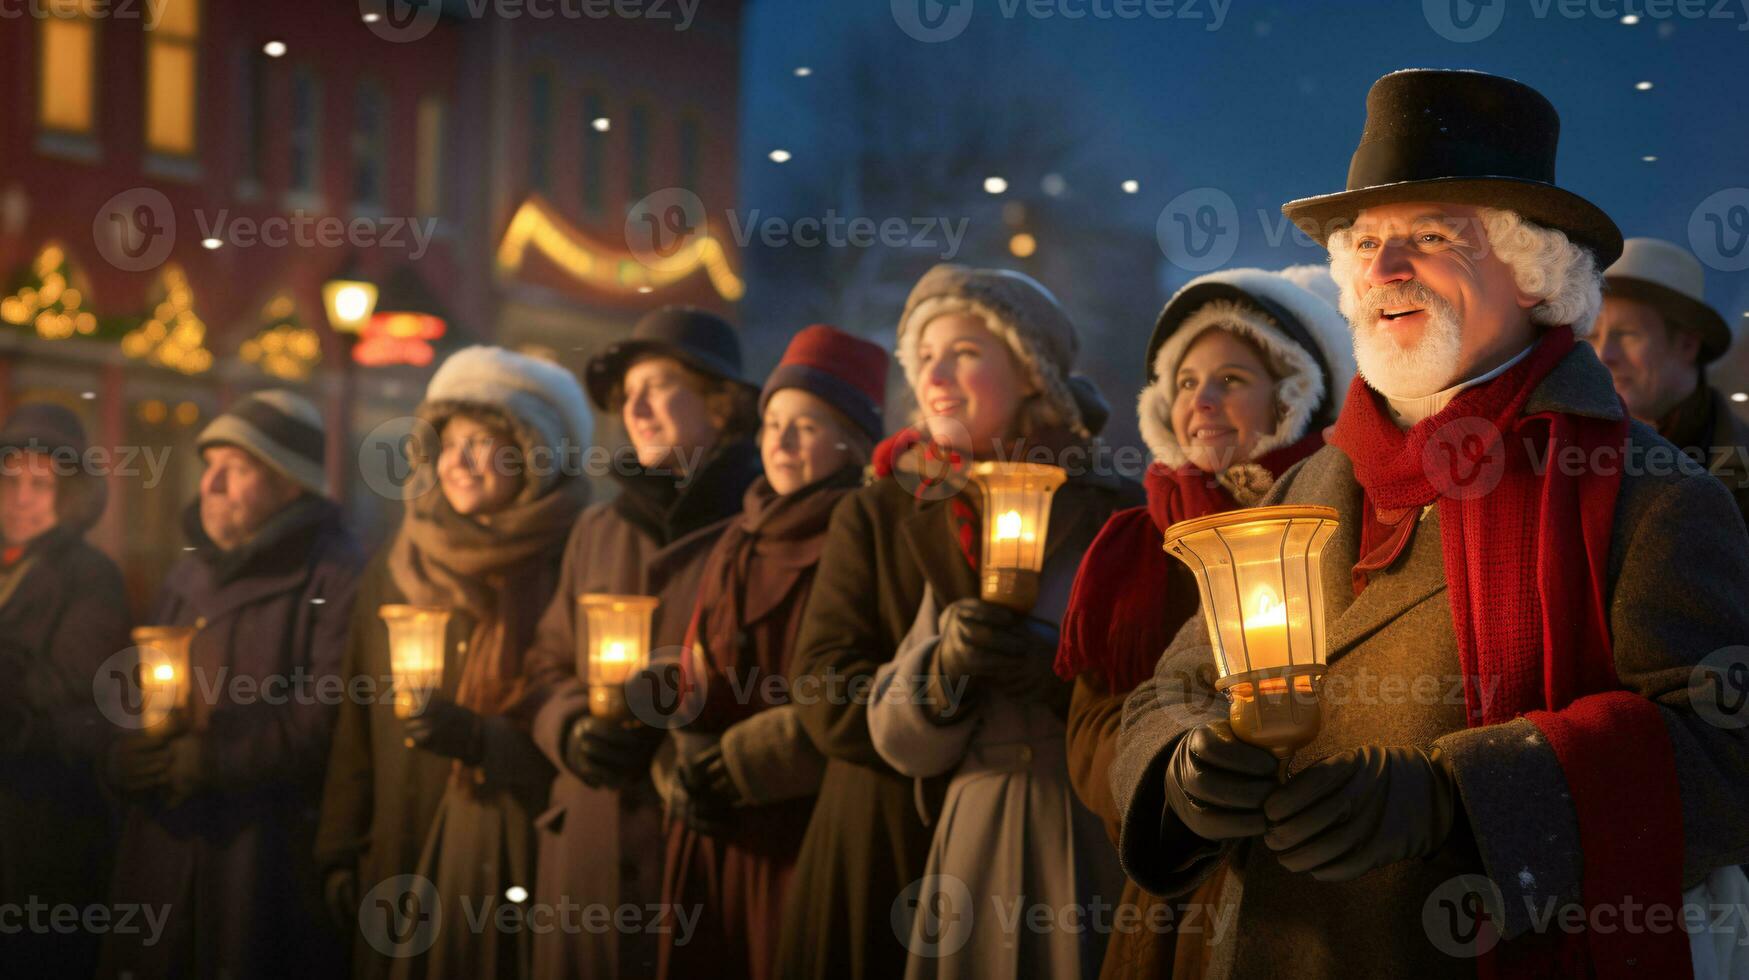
1260 575
613 645
164 672
1017 515
416 648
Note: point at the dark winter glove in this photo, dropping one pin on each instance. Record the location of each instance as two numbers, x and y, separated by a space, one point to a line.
445 728
340 894
1031 676
188 771
1216 784
985 645
136 764
606 753
711 794
1362 809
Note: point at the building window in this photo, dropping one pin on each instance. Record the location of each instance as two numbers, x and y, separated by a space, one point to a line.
689 151
305 130
594 154
369 142
67 82
171 50
251 113
428 167
540 129
637 155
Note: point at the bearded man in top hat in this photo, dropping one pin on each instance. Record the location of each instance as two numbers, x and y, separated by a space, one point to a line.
1508 727
1656 334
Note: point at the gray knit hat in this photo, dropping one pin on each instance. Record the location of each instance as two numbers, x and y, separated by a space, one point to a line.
1014 307
280 428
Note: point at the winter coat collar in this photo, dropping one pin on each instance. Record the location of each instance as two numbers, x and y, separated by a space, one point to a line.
665 511
276 560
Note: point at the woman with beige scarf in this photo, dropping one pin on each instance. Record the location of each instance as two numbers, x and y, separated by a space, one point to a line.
450 794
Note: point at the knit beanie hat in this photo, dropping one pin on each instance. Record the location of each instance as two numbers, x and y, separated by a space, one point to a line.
280 428
841 369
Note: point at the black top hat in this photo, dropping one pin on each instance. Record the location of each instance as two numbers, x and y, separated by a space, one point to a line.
1463 137
696 338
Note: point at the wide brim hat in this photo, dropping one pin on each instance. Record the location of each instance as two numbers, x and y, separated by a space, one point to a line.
1670 280
1460 137
697 338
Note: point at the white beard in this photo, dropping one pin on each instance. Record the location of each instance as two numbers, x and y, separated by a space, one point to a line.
1426 367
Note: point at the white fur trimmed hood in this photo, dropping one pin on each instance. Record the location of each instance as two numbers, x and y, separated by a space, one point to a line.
1248 302
542 400
1013 306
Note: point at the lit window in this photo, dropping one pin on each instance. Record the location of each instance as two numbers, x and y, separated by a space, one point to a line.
428 172
67 84
170 73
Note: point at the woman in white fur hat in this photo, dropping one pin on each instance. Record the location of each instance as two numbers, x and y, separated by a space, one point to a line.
451 793
987 353
1245 368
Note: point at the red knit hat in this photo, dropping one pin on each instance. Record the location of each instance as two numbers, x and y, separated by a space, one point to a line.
845 371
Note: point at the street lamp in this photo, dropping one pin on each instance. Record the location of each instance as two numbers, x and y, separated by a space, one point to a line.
349 300
1260 575
612 647
1017 514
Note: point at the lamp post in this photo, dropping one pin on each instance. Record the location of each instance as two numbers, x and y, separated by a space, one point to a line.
1017 514
164 670
350 300
415 653
1260 575
612 647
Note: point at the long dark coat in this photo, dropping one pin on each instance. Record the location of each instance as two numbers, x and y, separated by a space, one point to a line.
1678 570
866 843
65 617
233 863
603 848
1705 427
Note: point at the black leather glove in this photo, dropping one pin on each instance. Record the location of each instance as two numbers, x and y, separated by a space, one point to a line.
340 894
995 646
137 764
1216 784
604 752
1362 809
711 796
187 772
445 728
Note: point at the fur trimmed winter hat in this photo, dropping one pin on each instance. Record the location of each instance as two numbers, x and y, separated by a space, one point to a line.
1290 315
1013 306
540 402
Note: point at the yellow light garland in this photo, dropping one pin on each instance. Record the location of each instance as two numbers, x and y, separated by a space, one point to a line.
614 271
52 307
173 337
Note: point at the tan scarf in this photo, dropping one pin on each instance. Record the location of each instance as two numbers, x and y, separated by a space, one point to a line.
500 569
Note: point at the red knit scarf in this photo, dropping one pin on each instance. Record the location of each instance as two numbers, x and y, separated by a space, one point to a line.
1120 617
1526 564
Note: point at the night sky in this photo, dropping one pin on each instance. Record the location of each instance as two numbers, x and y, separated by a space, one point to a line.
1268 106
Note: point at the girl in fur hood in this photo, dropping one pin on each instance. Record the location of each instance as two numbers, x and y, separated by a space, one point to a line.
1245 369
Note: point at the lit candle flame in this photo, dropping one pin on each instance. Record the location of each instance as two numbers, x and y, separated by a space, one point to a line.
1009 526
164 672
615 652
1271 611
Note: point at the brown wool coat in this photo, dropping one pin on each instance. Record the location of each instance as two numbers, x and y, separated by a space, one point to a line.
601 847
1678 568
1715 437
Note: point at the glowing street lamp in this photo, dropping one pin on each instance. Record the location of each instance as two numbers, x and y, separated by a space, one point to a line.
612 647
1260 574
415 653
349 302
1017 515
164 672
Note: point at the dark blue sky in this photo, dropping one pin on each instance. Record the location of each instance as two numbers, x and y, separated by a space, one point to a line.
1268 107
